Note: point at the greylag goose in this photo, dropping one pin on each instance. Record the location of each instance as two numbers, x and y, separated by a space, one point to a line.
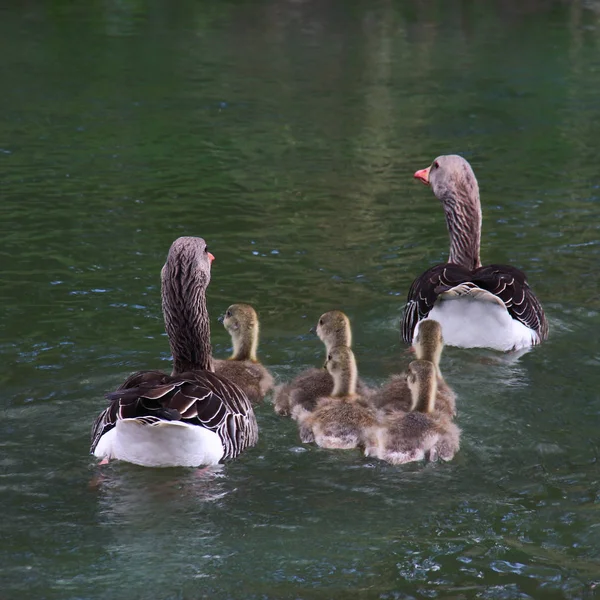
243 367
192 417
339 419
395 394
333 329
423 432
478 307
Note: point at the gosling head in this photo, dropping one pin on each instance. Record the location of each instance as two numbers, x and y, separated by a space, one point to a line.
341 365
429 342
421 378
333 329
241 322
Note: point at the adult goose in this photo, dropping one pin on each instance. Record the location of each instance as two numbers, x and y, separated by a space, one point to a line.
192 417
478 307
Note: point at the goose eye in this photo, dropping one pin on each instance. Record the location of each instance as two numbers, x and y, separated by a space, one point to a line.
329 357
436 165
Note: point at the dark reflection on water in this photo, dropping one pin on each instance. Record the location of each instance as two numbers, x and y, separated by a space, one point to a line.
286 133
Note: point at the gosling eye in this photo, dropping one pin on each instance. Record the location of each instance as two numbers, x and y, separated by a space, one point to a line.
321 322
329 357
228 313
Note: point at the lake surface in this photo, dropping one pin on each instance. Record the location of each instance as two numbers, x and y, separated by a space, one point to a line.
286 134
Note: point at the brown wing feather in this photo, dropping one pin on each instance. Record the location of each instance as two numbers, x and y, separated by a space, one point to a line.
199 398
506 282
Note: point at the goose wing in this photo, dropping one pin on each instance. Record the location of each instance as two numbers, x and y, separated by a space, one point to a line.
510 285
202 399
506 282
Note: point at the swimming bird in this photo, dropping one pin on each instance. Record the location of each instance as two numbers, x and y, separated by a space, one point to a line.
333 329
423 431
339 419
243 366
192 417
478 307
395 394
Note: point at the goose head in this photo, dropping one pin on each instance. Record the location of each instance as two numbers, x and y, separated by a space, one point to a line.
184 279
421 377
341 365
333 329
454 184
429 342
241 322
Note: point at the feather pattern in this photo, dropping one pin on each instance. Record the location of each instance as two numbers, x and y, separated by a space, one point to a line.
508 283
197 398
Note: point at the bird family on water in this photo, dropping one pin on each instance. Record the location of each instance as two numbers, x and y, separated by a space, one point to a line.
202 413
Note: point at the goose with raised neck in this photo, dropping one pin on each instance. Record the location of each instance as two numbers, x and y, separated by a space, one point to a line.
478 306
192 417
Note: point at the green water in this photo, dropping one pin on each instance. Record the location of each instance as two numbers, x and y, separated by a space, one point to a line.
286 134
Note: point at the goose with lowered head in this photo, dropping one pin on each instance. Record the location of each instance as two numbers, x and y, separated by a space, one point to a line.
192 417
478 306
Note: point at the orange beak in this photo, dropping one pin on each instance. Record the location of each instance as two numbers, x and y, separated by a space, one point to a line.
423 175
211 256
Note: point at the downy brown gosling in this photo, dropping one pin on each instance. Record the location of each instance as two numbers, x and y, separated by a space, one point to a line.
423 432
333 329
341 418
395 393
243 367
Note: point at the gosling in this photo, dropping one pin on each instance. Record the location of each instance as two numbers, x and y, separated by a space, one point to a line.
340 419
243 367
305 389
396 395
423 432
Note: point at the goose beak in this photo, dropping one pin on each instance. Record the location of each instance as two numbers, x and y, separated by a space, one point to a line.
211 256
423 175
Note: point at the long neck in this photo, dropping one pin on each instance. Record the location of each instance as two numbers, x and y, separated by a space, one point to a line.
425 398
245 344
341 337
344 383
431 352
187 323
463 218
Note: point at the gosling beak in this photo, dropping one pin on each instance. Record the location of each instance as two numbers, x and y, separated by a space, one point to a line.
221 319
423 175
211 256
313 329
